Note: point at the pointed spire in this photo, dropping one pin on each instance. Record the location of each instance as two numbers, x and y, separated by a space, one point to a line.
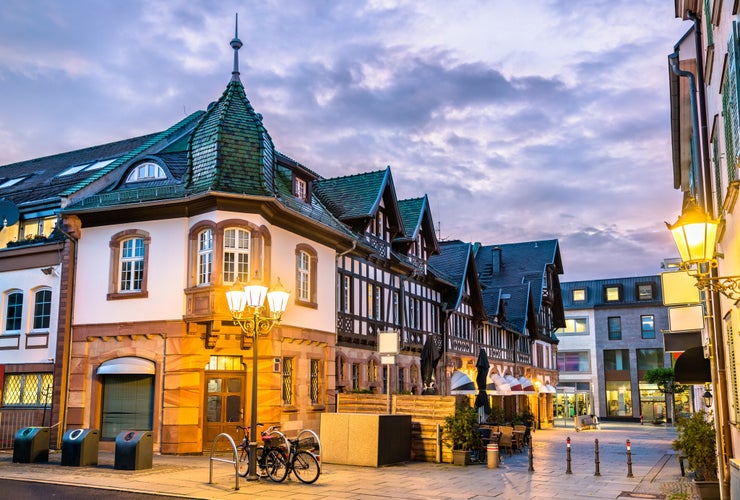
236 44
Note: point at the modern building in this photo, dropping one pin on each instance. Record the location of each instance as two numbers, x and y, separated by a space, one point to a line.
613 336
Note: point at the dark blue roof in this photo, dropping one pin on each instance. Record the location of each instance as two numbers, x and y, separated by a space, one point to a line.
595 292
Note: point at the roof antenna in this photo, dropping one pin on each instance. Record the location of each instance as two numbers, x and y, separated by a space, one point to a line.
236 44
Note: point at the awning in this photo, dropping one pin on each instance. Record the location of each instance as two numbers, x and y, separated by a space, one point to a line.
460 383
496 385
129 365
526 384
548 389
692 367
514 383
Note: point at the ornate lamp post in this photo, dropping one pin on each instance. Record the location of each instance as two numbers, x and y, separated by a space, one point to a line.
247 306
695 234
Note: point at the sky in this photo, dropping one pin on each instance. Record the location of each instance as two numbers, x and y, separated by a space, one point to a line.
520 120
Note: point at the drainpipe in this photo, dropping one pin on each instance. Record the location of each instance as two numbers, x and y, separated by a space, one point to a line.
695 150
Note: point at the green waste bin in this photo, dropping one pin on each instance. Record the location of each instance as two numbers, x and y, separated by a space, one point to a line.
31 444
80 447
134 450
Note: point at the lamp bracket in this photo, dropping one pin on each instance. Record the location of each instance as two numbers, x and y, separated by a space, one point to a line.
729 286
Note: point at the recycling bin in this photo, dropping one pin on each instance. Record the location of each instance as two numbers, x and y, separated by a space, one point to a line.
31 444
80 447
134 450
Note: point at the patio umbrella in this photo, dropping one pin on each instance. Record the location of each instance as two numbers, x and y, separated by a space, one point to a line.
429 359
482 365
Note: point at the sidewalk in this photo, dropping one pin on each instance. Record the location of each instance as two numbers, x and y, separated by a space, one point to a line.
654 466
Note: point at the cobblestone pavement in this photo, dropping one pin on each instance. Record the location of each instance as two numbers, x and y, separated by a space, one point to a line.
655 470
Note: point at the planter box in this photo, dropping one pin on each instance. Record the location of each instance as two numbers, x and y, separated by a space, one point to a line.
708 490
365 439
461 457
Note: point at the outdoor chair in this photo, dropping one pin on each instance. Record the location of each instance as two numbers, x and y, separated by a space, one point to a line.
506 441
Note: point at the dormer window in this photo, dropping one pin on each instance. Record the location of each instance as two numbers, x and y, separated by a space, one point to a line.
11 182
146 172
300 188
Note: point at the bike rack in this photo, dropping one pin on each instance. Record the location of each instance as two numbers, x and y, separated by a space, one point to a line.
235 461
316 437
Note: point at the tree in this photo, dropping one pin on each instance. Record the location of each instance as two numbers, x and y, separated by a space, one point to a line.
665 379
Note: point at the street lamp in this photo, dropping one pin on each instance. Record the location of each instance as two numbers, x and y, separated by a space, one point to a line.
707 396
246 306
695 235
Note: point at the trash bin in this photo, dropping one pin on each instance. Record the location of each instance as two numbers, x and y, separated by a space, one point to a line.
492 452
134 450
80 447
31 444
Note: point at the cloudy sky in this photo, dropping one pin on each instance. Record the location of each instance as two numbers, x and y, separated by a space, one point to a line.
521 120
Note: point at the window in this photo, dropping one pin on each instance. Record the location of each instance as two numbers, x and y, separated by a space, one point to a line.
287 381
14 311
615 327
401 379
129 264
577 361
612 293
11 182
396 308
647 326
236 255
645 292
345 295
28 389
301 190
205 256
616 359
42 309
648 359
579 295
374 301
306 275
372 371
574 326
355 376
315 389
146 172
618 399
132 265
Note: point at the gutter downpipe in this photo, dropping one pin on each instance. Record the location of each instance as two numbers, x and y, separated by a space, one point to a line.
724 444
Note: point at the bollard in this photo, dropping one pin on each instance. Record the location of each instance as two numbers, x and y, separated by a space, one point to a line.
493 456
629 459
567 459
640 419
531 455
596 461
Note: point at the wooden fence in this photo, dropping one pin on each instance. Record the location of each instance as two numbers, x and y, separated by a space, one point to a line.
426 413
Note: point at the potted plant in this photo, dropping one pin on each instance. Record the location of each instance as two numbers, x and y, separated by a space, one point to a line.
497 416
695 439
461 430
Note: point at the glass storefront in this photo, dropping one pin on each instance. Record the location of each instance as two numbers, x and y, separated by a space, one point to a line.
618 399
572 399
652 403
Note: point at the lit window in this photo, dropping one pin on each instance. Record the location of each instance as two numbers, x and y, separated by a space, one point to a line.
14 311
146 172
132 265
205 256
236 255
27 389
578 361
612 294
574 326
287 381
42 310
579 295
315 382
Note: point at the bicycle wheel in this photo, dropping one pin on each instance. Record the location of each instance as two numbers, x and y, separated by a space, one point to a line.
275 465
305 467
243 463
261 471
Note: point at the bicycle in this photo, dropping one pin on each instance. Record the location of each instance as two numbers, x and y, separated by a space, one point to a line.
300 460
272 439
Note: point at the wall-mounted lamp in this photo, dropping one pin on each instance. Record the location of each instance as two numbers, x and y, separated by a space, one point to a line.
49 271
707 396
695 235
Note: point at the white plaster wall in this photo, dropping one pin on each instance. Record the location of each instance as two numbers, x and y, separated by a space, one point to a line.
29 281
167 278
582 343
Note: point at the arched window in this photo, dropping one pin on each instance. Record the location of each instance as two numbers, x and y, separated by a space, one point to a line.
14 311
148 171
42 309
128 264
236 255
205 256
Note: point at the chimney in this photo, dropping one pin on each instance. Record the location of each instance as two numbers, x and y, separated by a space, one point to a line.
496 259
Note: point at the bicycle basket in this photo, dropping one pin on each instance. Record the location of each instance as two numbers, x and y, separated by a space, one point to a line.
307 444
